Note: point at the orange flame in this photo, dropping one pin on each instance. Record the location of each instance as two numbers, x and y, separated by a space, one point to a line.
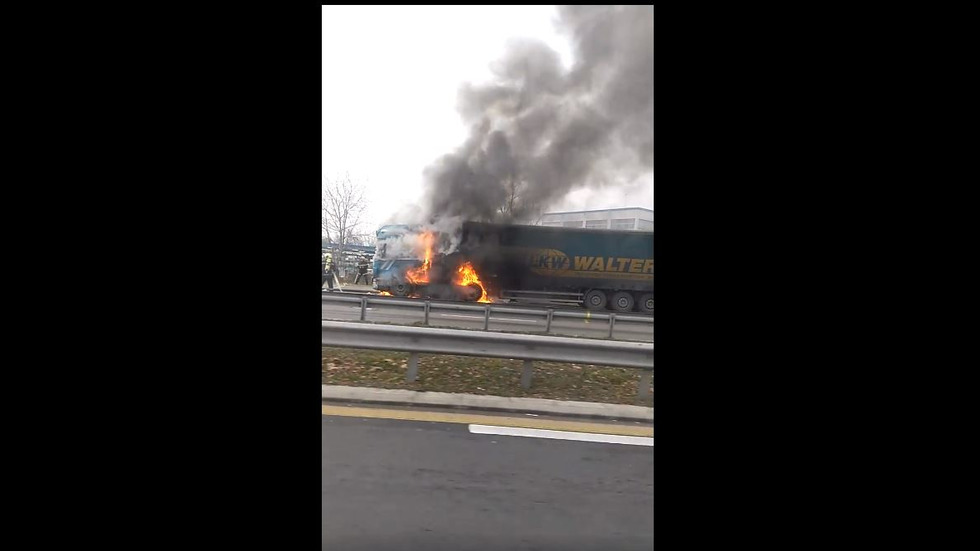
421 274
467 276
385 294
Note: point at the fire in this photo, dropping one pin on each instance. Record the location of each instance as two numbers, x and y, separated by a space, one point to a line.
421 274
385 294
467 276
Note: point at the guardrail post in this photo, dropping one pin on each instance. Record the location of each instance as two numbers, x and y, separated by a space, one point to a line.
612 322
486 318
363 307
413 367
551 314
526 374
426 320
643 390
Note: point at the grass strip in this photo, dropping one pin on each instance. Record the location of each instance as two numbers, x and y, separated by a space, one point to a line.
488 376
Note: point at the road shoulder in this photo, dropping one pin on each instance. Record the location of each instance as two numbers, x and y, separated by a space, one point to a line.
541 406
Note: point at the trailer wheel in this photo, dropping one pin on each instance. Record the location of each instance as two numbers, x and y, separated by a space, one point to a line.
645 303
595 299
622 302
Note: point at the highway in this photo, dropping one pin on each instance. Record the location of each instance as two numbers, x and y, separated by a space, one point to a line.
392 481
499 321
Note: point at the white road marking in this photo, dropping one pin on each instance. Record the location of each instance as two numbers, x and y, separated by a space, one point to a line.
562 435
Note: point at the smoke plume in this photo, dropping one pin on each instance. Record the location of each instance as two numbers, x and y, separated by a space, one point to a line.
539 131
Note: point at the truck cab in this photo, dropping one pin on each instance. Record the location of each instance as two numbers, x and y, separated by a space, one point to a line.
391 261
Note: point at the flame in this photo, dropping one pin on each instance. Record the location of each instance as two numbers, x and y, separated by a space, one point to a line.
467 276
385 294
421 274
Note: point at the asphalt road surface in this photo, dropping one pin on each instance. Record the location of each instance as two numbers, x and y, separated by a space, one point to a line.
444 486
499 321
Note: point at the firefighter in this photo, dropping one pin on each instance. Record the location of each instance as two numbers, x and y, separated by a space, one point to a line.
362 269
331 270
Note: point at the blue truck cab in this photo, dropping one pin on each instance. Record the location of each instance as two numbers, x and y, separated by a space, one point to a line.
391 262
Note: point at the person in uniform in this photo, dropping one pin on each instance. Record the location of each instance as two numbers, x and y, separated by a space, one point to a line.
362 269
331 270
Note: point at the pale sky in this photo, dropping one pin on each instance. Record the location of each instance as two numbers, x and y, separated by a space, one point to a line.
390 78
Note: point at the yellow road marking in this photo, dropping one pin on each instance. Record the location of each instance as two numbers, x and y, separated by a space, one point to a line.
475 419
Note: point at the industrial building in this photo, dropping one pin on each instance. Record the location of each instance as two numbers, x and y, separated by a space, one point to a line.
625 218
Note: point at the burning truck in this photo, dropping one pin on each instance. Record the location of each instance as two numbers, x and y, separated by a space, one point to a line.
595 268
410 262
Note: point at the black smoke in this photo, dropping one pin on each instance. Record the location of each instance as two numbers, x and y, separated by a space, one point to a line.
539 131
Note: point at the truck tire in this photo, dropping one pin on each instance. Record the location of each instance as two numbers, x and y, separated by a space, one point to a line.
401 289
595 299
622 302
476 292
644 303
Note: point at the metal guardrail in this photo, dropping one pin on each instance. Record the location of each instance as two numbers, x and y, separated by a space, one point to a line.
460 342
428 305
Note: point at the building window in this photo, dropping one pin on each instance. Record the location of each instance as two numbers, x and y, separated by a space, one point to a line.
597 224
622 223
576 224
644 225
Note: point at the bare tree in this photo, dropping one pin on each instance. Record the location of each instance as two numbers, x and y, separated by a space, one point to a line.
342 204
516 206
361 238
507 210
